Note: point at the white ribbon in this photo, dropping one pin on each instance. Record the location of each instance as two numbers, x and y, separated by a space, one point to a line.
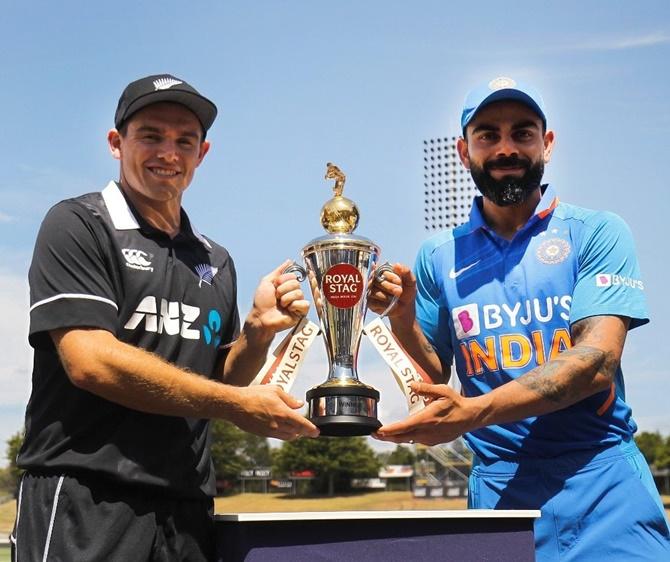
282 365
405 370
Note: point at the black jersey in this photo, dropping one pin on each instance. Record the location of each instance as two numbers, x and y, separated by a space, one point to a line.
97 263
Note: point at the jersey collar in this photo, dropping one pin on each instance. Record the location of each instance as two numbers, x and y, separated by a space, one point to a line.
547 204
122 215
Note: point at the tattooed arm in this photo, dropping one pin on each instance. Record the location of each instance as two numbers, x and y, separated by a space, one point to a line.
585 369
588 367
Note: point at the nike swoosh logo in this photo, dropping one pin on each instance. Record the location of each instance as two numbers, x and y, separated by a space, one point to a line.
453 274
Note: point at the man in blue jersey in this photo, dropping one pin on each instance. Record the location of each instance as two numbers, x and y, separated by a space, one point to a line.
531 300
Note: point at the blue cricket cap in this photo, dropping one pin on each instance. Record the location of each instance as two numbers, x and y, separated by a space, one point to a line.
499 89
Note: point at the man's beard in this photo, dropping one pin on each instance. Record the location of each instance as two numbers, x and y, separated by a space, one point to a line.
509 190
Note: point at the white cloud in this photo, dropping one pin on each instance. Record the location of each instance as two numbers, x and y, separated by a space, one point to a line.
660 423
616 43
5 218
577 44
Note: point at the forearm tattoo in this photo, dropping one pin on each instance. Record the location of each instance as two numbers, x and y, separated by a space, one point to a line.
428 348
565 378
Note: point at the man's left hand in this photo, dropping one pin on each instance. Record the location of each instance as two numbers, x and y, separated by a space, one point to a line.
279 302
445 418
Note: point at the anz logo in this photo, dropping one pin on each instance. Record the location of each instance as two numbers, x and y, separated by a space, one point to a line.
175 318
212 331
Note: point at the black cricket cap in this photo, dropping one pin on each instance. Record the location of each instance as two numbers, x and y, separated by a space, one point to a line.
161 88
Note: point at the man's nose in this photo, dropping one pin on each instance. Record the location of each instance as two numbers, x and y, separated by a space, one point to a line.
507 147
168 151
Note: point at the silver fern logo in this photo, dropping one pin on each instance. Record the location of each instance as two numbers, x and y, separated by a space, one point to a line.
206 273
166 83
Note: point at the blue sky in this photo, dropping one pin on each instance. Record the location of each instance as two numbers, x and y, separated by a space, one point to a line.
359 83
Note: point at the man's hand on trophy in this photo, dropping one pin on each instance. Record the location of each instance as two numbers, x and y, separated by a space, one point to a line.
268 411
279 302
445 418
397 283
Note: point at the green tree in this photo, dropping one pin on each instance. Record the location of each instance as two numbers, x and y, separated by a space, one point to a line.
402 455
663 456
335 461
651 445
234 450
11 475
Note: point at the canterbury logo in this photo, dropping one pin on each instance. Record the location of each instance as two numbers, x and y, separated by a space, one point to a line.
166 83
137 259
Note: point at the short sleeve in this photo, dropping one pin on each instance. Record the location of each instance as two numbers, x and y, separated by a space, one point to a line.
430 313
70 282
232 331
609 280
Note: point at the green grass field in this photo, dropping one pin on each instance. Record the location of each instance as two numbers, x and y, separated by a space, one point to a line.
4 554
276 502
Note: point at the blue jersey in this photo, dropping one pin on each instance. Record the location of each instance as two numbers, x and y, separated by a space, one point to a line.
499 308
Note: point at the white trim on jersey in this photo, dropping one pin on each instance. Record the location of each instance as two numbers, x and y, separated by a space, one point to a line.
122 216
53 518
201 238
73 296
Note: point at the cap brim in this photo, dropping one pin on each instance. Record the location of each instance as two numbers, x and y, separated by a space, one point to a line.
203 109
507 94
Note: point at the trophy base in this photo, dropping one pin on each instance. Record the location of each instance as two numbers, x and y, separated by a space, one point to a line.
344 411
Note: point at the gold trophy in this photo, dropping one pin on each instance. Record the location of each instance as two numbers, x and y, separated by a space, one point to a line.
340 266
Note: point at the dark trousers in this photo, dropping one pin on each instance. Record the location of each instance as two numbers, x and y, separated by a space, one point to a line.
68 518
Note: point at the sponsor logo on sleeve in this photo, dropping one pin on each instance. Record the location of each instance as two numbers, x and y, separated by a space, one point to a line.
613 280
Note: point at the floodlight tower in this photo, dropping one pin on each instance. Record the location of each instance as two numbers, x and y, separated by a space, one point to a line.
448 187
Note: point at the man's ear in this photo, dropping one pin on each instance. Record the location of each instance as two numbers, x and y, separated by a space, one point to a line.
463 154
549 140
114 142
204 149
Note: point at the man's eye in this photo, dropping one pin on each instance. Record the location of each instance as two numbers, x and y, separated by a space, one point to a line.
151 138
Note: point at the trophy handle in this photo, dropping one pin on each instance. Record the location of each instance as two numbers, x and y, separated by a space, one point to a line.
386 267
298 269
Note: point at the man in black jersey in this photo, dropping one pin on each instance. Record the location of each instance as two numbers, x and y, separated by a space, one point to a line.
138 344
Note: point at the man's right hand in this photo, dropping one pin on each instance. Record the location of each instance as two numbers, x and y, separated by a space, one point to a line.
268 411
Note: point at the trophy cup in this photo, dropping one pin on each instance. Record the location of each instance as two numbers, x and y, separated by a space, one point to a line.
339 267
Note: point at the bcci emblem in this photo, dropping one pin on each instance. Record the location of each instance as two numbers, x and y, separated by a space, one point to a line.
553 251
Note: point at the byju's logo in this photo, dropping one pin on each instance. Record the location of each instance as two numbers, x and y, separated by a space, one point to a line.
137 259
613 280
212 331
466 321
603 280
